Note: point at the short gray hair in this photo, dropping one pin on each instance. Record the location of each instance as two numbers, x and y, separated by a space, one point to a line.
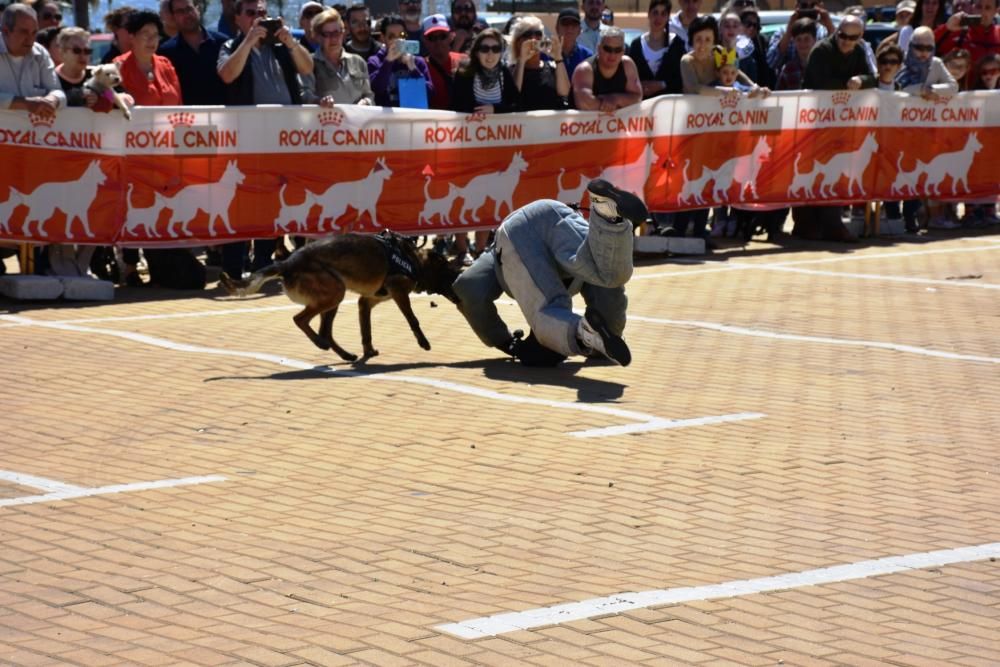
13 11
67 35
611 32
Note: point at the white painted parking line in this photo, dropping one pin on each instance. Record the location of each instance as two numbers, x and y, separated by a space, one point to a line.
976 284
489 626
644 422
60 491
760 333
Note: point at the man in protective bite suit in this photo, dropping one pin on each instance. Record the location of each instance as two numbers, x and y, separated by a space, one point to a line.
544 253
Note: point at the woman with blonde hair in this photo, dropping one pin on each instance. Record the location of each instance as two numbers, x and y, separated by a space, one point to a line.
338 77
540 77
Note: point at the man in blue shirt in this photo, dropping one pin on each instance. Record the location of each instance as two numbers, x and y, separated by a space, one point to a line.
194 52
568 30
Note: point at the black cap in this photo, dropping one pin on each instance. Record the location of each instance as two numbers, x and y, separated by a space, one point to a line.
569 14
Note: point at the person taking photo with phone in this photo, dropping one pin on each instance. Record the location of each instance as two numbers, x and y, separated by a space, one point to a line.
396 61
972 28
782 47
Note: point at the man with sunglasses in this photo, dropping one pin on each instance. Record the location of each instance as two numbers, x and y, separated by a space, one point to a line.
194 52
839 62
781 47
359 26
608 80
442 62
27 76
49 14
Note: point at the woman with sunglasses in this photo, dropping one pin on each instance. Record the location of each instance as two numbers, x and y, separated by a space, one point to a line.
922 73
750 20
484 85
338 77
74 44
987 73
540 77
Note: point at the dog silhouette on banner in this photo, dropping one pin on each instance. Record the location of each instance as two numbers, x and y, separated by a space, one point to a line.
73 198
212 198
361 195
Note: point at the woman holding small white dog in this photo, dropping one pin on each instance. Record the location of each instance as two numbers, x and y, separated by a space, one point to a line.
74 44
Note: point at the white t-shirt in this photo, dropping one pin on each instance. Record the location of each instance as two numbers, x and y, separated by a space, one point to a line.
653 56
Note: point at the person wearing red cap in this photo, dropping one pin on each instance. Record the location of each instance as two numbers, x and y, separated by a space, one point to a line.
441 60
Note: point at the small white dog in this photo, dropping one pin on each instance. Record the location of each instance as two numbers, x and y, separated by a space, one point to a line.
102 82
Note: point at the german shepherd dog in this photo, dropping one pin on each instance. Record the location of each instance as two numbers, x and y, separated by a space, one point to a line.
319 274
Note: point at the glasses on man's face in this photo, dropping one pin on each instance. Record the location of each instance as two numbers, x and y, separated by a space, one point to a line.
923 48
81 50
893 62
489 48
48 16
612 49
848 38
254 13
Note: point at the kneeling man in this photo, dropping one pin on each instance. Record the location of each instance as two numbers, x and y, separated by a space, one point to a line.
545 253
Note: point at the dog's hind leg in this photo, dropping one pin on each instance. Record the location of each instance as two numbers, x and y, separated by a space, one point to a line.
326 334
402 299
302 320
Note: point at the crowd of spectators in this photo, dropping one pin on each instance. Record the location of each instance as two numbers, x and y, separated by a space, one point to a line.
456 62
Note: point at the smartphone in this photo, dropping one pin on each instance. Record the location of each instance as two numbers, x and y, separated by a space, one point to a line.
411 46
970 20
807 14
272 26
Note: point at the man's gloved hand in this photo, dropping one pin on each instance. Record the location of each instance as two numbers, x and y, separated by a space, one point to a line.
532 353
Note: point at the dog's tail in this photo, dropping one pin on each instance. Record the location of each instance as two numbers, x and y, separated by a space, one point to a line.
252 285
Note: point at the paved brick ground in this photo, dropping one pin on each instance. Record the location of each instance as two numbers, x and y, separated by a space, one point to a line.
359 513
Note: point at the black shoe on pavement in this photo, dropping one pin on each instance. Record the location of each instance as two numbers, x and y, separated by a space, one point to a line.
612 203
595 334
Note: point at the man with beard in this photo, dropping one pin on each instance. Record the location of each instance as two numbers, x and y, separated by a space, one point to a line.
463 21
410 11
359 26
194 52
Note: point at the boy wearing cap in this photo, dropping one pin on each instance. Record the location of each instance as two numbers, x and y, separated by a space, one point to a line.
441 60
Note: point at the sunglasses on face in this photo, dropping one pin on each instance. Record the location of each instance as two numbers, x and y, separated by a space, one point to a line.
752 24
489 48
612 49
992 71
255 12
533 34
439 36
81 51
923 48
848 38
883 63
48 17
330 34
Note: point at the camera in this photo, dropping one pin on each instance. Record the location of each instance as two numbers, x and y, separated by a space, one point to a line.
807 14
970 20
411 46
272 26
545 45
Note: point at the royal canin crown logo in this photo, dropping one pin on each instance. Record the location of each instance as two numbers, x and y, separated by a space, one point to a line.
331 117
41 121
942 99
841 97
730 100
477 117
181 119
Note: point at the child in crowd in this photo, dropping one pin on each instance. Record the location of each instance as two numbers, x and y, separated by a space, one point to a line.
727 72
889 59
958 63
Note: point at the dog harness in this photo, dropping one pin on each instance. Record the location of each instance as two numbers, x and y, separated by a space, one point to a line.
400 261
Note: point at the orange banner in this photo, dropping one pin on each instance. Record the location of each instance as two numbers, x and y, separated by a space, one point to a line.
197 175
